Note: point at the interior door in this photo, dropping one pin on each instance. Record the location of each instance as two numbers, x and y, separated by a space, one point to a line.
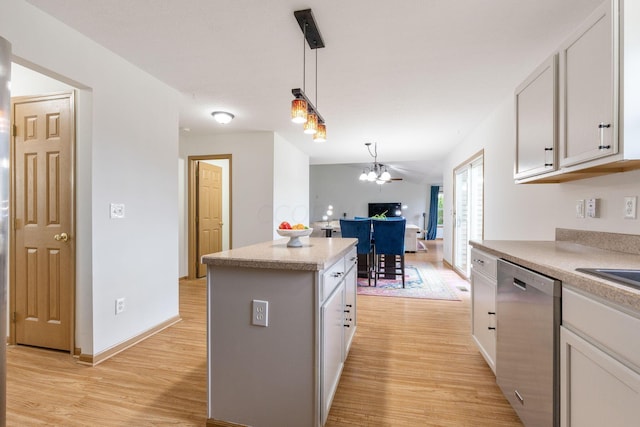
209 212
43 205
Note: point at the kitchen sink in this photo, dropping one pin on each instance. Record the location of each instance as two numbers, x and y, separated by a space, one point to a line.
622 276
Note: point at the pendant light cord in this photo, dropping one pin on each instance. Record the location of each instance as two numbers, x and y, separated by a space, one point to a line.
304 58
316 77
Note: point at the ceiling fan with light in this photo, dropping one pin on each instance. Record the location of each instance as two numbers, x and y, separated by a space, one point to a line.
377 172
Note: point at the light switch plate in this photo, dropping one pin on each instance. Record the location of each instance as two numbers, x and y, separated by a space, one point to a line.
630 204
579 208
117 210
593 208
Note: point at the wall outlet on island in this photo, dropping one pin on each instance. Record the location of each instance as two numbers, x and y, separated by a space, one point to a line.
579 208
260 313
630 207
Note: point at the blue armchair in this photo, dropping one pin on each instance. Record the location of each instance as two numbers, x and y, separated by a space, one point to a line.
388 237
361 230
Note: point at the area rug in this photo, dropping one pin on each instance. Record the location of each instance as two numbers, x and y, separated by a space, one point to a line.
424 282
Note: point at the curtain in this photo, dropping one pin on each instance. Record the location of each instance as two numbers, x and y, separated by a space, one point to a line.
432 228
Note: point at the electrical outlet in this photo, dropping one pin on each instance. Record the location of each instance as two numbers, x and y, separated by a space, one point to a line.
260 313
120 305
116 210
593 208
579 208
630 207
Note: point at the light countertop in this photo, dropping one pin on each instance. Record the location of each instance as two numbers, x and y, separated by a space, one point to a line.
559 259
315 254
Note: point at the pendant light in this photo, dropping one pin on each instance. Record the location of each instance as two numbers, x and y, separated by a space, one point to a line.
302 110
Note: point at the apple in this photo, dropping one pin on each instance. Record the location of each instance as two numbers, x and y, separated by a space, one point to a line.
284 225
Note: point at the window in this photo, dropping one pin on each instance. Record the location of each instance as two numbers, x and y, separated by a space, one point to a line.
469 200
440 208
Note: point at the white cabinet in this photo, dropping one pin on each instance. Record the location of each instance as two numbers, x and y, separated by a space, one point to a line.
483 304
536 121
589 89
599 363
338 324
599 100
332 315
350 306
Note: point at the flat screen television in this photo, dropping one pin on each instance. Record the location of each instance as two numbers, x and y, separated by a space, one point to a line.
389 209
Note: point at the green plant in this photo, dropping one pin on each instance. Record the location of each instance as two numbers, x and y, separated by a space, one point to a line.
382 215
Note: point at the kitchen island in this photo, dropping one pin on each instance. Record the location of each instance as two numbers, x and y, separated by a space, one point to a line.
280 322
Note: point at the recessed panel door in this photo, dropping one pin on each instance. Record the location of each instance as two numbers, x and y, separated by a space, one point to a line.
43 247
209 212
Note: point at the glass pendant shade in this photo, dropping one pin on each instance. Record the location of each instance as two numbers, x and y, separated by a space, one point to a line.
372 176
321 133
311 126
386 176
299 111
363 176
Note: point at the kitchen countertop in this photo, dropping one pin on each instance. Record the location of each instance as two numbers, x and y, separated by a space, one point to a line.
559 259
315 254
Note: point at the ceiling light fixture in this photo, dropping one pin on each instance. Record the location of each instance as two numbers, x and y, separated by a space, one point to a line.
302 109
222 117
377 172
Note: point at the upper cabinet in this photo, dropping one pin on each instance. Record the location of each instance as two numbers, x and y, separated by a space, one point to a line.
598 119
589 89
536 123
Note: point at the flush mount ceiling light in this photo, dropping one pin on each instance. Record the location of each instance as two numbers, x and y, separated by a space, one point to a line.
222 117
377 172
302 109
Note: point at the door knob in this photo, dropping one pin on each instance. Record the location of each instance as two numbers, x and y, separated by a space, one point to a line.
62 236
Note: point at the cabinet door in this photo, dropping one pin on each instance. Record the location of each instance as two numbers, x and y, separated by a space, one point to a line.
595 388
536 124
350 309
589 89
332 341
484 317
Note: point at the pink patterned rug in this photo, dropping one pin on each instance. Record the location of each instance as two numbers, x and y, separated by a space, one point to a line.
425 283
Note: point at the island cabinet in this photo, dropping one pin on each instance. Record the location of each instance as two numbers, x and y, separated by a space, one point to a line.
599 362
483 304
287 372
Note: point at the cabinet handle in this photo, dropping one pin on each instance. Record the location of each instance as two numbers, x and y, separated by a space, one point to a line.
602 127
348 305
347 326
491 312
548 148
491 328
337 274
354 258
479 261
347 311
548 164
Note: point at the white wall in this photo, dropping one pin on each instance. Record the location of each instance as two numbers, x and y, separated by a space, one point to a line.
532 211
126 150
291 185
251 184
338 185
269 180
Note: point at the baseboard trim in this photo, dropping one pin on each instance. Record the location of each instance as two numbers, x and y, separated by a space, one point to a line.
182 278
218 423
445 262
95 359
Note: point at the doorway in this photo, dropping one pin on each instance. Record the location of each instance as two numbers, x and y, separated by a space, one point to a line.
468 190
209 207
42 255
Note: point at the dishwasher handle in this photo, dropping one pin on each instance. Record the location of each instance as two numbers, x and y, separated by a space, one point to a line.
519 284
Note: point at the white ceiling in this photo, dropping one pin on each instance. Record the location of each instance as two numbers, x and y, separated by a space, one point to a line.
414 75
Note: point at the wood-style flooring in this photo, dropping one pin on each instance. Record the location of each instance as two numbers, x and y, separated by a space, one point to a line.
412 363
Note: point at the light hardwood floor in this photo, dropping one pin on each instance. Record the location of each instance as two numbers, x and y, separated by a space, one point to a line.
412 364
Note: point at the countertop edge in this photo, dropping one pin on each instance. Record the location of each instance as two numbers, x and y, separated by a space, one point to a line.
622 296
244 258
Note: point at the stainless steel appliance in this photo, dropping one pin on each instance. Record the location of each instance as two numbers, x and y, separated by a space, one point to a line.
527 349
5 122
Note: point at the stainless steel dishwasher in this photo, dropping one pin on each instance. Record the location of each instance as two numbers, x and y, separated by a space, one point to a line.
527 349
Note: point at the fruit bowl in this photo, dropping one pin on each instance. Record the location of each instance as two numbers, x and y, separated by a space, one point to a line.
294 235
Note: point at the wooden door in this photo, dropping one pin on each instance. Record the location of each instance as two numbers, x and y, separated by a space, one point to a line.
43 205
209 212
